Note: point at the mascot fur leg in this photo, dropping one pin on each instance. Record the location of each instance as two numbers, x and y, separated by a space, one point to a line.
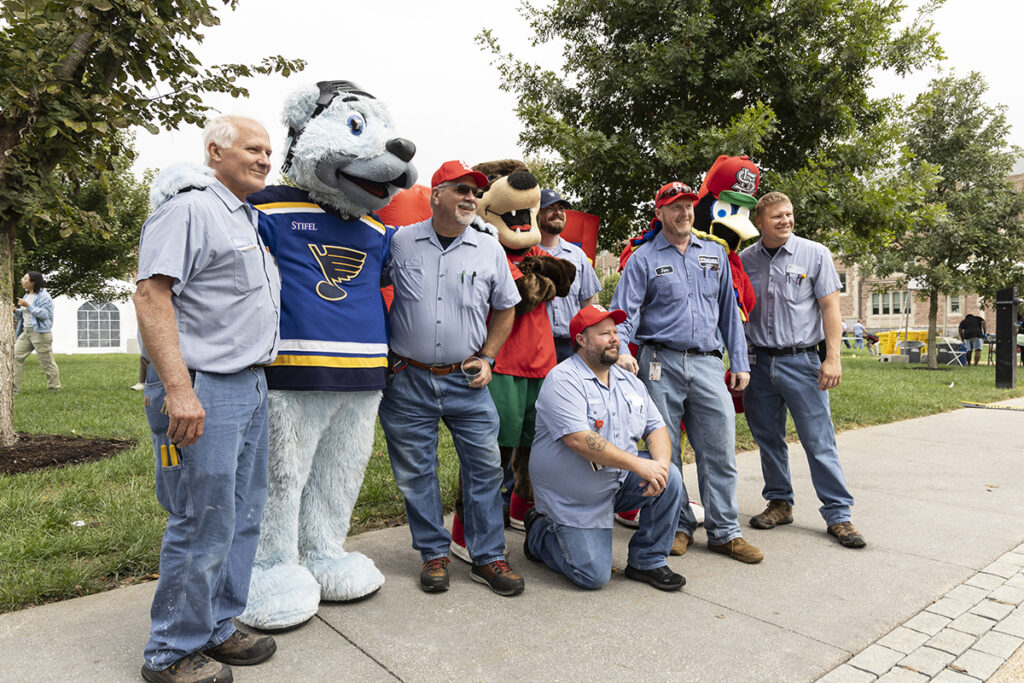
313 465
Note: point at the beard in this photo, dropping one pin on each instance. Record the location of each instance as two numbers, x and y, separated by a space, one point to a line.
551 228
609 356
464 215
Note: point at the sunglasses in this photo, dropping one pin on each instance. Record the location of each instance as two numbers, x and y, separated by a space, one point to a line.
673 191
463 188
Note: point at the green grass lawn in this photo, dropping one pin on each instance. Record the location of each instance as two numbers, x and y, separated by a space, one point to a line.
46 557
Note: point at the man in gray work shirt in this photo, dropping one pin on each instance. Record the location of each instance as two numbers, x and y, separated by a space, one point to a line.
447 277
208 304
797 291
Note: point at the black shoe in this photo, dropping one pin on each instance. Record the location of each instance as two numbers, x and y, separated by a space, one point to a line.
528 519
243 649
434 575
661 577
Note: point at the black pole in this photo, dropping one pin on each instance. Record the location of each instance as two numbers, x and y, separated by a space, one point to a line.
1006 338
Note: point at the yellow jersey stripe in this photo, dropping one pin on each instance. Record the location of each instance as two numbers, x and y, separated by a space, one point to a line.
331 361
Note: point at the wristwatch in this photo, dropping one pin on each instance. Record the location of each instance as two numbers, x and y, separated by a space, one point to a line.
486 359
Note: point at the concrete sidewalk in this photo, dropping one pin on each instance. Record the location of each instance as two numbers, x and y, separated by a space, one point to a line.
938 500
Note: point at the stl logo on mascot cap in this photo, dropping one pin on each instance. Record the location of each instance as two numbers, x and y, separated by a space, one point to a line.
726 199
738 174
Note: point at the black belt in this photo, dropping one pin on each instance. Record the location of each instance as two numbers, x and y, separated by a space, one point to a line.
786 351
689 352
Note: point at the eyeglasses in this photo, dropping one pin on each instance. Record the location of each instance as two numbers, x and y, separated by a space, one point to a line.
680 188
463 188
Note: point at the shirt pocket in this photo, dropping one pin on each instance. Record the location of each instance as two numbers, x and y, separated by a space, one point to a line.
597 417
408 278
637 418
475 290
248 264
798 288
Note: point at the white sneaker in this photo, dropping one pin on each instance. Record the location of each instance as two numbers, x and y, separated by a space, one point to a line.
698 511
138 387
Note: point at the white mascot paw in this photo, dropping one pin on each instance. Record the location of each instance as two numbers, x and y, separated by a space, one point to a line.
343 579
280 597
176 178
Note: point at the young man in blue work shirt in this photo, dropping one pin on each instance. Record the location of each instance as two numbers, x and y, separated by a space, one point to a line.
677 291
797 307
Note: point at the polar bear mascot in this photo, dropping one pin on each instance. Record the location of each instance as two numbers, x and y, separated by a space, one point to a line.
327 380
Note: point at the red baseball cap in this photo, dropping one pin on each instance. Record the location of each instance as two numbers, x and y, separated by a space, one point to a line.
451 170
738 174
673 191
591 315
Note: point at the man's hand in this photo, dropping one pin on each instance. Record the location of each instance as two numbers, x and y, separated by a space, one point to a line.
830 374
186 415
627 362
738 380
654 474
484 378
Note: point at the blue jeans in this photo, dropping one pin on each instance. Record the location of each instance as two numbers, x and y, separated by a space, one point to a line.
215 498
778 382
413 402
585 555
694 387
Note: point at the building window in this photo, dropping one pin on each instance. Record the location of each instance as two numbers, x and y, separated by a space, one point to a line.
890 303
99 325
842 282
954 303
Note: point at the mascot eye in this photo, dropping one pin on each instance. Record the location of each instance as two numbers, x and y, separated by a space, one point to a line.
743 211
721 209
356 124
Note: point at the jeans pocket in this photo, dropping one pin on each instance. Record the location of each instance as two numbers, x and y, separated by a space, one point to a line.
170 479
156 415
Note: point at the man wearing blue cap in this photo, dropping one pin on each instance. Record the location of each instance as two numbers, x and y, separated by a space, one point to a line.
584 290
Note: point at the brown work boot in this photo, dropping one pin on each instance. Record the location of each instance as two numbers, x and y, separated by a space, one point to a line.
193 668
738 549
243 649
499 577
681 542
777 512
434 575
847 534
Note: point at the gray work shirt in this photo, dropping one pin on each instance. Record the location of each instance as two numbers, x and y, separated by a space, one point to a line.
561 309
684 300
443 296
788 287
572 399
226 288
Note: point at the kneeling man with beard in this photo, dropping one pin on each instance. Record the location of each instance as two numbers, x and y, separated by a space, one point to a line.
585 465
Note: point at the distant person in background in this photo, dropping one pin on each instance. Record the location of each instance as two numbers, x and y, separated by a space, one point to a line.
972 332
34 316
858 332
846 340
143 368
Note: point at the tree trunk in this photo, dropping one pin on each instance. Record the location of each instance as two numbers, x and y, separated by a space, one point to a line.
933 319
7 436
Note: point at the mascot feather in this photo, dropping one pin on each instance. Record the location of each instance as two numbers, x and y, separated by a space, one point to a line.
346 161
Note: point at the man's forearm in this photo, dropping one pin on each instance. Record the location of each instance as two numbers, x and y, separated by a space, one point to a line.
832 322
498 331
659 445
158 328
595 448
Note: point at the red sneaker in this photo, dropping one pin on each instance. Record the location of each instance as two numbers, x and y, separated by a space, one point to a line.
458 547
517 512
628 518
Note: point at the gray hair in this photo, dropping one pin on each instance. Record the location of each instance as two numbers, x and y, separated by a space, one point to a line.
221 131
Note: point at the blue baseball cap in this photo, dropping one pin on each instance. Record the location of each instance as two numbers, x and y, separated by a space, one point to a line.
549 197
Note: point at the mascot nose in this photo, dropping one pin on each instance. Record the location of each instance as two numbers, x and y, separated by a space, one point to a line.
401 148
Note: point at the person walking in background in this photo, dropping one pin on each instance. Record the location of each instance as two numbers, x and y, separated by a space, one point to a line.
858 332
34 316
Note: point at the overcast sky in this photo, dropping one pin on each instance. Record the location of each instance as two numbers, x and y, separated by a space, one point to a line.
421 58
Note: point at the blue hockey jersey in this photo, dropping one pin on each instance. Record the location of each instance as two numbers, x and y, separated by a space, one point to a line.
333 320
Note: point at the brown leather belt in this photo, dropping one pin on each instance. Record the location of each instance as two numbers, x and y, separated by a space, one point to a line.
440 370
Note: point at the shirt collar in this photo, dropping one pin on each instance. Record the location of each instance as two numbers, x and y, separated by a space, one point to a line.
425 231
661 242
232 202
788 246
587 374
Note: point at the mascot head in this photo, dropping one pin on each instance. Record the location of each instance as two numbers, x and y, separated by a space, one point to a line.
510 203
343 150
726 199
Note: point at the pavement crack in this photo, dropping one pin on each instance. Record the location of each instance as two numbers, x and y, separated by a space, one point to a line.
358 647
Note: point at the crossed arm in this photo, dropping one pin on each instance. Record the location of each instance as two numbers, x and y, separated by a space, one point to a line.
595 448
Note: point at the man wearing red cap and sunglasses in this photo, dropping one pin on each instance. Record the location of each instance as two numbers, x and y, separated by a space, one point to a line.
447 278
585 465
679 295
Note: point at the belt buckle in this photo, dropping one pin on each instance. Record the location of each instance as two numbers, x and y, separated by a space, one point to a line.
440 370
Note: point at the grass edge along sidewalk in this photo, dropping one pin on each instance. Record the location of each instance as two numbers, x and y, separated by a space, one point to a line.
83 529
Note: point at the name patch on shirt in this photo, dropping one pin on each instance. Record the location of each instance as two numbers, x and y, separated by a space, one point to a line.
664 270
711 262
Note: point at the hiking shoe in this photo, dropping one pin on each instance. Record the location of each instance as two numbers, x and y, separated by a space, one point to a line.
681 542
629 518
193 668
499 576
243 649
434 575
662 577
847 534
738 549
777 512
528 519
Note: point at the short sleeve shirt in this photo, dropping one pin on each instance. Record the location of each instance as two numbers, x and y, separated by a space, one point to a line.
788 287
226 287
443 294
682 300
565 485
585 285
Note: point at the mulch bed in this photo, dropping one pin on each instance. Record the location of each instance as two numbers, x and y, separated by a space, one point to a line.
39 451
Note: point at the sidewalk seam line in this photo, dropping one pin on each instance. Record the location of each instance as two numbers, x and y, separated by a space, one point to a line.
356 646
